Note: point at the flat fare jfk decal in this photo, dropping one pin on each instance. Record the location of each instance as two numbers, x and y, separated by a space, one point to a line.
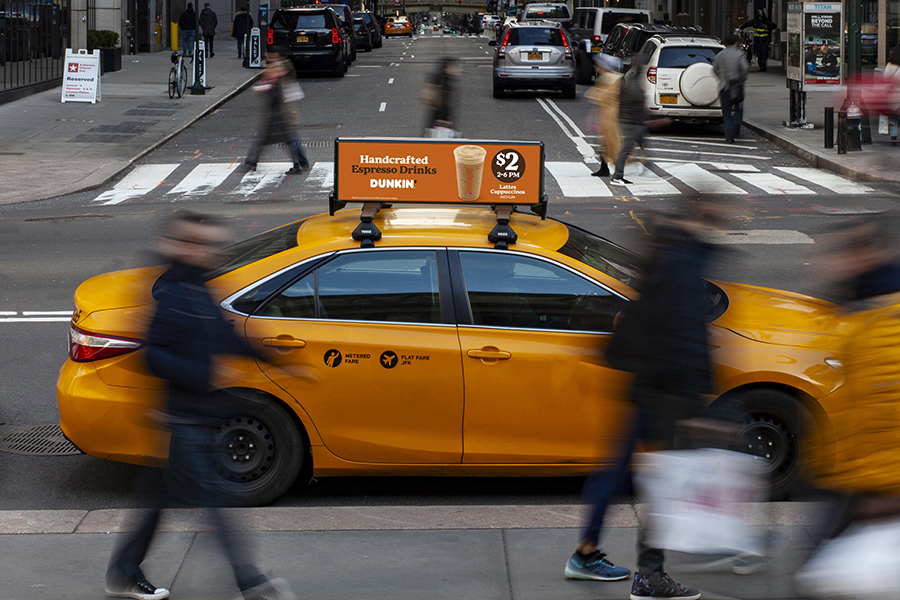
388 359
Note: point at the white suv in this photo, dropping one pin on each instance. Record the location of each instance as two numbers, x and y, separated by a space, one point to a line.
678 78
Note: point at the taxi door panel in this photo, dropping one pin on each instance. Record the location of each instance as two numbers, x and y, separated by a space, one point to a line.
377 392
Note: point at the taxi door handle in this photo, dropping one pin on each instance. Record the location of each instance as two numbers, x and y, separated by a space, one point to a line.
490 354
284 341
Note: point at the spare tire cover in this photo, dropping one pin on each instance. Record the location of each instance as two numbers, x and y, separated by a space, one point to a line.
699 84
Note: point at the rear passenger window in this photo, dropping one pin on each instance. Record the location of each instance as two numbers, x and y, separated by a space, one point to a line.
679 58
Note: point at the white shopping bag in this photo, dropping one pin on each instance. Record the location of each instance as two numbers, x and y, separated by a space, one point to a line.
697 499
442 132
862 562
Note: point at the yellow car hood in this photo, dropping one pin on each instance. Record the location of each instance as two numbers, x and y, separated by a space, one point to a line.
779 317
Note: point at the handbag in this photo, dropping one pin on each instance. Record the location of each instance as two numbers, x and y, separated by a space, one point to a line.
293 92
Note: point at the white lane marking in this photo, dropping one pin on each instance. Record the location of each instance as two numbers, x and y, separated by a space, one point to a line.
645 182
143 179
322 174
575 180
690 141
204 178
696 177
46 313
7 313
761 236
835 183
391 80
35 319
773 184
657 149
267 175
581 145
382 107
562 114
734 167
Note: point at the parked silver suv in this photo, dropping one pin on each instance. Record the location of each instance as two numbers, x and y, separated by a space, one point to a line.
534 55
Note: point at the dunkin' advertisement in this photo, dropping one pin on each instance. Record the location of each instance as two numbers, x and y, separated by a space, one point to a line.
452 170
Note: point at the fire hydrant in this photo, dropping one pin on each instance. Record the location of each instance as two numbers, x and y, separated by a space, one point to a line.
849 134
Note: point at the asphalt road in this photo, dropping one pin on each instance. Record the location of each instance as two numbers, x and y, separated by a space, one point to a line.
49 247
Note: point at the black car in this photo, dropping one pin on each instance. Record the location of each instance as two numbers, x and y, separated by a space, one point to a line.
634 38
312 38
345 17
363 35
373 26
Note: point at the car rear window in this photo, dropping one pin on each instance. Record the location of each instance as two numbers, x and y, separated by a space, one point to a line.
612 18
535 36
547 12
307 20
256 248
679 58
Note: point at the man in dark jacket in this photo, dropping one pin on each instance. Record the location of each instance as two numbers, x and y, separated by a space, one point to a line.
240 28
732 69
188 24
632 115
186 333
762 36
208 23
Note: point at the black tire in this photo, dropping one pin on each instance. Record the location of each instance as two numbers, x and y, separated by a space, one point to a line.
777 427
498 91
584 68
339 68
258 451
569 92
182 83
173 81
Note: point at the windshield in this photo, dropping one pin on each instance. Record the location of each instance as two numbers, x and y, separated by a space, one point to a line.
294 21
547 12
535 36
258 247
603 255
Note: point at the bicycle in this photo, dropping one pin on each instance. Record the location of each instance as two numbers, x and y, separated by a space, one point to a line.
177 76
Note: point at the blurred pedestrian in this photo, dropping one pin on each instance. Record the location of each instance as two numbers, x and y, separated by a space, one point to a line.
892 74
208 23
605 96
240 28
439 96
188 24
280 116
632 119
732 69
762 36
185 335
661 338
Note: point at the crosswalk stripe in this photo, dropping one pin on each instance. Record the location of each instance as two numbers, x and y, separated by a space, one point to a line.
773 184
204 178
575 180
698 178
321 175
267 175
645 182
835 183
141 180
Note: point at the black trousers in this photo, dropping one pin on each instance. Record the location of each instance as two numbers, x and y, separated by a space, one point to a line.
209 43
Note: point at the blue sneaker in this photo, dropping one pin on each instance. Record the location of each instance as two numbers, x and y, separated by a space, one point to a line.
594 566
660 586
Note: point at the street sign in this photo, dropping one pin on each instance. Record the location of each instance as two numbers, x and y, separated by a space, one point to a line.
81 76
255 50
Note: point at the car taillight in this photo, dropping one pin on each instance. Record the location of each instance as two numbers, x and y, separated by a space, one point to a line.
270 37
651 75
596 39
501 51
335 36
85 346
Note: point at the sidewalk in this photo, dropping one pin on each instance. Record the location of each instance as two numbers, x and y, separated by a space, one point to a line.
767 106
50 148
396 553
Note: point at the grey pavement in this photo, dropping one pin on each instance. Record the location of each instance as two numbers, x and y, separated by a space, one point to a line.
401 553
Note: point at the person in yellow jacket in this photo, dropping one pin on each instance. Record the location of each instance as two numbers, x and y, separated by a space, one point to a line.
605 96
763 27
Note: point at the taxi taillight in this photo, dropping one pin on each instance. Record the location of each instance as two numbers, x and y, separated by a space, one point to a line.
85 346
335 36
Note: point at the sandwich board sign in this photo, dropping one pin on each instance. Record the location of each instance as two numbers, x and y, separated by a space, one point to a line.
81 76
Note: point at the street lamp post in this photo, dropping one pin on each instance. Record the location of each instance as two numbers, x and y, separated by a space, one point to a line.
197 89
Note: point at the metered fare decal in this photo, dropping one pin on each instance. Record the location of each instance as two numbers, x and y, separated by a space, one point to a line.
461 171
388 359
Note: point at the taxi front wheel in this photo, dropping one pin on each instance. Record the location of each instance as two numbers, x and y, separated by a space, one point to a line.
257 449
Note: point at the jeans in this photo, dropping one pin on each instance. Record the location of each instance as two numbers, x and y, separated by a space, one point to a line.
240 44
732 115
189 36
191 480
598 490
632 133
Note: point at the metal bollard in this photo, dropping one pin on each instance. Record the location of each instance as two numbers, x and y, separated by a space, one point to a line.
829 127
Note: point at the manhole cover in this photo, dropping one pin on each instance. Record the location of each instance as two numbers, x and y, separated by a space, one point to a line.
37 440
68 218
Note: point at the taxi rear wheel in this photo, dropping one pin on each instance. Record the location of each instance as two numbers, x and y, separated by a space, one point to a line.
257 449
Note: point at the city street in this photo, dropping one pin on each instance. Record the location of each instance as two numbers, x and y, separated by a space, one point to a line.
50 246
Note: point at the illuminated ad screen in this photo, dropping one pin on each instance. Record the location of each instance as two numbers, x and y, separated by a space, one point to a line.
455 171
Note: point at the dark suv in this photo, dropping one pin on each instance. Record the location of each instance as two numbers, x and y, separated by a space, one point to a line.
634 38
372 24
345 15
312 38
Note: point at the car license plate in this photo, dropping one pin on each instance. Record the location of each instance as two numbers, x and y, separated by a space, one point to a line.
302 38
668 99
534 56
596 49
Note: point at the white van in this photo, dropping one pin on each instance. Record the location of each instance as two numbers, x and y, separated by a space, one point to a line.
591 25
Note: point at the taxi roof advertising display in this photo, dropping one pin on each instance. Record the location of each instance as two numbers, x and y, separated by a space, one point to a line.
453 171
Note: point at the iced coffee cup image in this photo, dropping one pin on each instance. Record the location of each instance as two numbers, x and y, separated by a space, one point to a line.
469 167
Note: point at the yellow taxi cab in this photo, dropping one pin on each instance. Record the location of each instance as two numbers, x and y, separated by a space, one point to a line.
404 341
397 26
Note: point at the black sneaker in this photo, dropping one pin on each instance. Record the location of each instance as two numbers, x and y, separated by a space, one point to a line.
603 171
660 586
619 181
140 590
